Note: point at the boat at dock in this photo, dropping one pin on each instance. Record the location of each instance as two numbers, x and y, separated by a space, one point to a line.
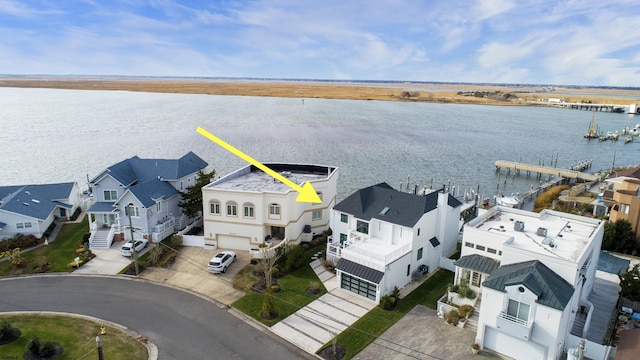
628 139
507 201
592 133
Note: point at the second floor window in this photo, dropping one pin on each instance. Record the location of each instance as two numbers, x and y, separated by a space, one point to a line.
214 208
232 209
110 195
518 310
274 211
344 218
362 227
248 210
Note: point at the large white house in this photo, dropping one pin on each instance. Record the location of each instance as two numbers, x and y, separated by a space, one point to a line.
32 209
535 273
145 189
381 236
248 207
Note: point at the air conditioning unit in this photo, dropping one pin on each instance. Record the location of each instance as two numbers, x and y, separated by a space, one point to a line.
541 231
518 225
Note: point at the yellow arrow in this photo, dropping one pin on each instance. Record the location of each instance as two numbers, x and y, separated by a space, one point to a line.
306 193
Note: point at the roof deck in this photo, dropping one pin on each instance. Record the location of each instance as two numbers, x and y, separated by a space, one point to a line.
550 233
252 179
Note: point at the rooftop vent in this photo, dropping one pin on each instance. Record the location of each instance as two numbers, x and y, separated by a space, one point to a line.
541 231
518 226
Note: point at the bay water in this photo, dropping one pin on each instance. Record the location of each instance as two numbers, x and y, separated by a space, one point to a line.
50 135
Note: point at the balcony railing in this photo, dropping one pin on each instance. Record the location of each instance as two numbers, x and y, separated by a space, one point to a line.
514 326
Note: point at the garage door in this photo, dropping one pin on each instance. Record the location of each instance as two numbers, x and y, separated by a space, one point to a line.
234 242
513 347
358 286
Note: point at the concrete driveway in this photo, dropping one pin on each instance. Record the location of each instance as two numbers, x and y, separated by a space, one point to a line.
421 334
108 261
189 271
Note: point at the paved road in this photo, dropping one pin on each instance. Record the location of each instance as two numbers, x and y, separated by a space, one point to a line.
183 326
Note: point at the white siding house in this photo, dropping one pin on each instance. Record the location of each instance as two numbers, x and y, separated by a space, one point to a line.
146 189
248 207
535 273
381 236
31 209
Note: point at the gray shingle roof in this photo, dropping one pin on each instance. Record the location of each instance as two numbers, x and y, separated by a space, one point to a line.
360 271
404 208
36 201
552 290
137 170
478 263
150 191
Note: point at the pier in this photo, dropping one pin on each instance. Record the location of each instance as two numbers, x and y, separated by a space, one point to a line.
547 170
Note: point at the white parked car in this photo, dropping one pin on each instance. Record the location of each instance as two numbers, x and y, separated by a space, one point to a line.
221 262
127 249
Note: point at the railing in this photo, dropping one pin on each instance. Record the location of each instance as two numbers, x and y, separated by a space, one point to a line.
270 252
514 319
110 235
160 228
92 229
355 238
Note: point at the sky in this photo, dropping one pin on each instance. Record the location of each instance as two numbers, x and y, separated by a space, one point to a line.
574 42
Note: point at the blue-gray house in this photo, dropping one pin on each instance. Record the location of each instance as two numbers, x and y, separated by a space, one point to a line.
31 209
145 191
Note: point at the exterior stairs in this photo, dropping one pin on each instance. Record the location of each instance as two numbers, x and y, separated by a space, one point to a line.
100 240
578 324
472 322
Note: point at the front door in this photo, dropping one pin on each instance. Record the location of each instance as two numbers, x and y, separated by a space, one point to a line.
277 232
108 219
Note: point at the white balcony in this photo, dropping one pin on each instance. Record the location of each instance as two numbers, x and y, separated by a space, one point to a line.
514 326
362 249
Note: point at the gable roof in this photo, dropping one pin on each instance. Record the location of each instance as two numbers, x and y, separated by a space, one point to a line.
35 201
360 271
478 263
402 208
552 290
137 170
150 191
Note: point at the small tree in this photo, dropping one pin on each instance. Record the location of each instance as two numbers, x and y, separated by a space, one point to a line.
191 202
630 283
267 262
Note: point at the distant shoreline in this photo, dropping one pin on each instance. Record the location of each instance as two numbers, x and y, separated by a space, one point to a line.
525 95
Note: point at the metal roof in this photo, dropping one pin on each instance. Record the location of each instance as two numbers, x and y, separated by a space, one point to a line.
360 271
101 207
552 290
403 208
478 263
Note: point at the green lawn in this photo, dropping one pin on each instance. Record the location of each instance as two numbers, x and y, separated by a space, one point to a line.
290 299
77 336
58 253
376 321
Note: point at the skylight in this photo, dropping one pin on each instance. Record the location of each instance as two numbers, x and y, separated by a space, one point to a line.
384 211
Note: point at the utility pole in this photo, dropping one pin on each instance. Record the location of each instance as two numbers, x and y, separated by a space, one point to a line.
100 356
133 243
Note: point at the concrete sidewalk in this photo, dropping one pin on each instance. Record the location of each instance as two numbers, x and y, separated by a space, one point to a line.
317 323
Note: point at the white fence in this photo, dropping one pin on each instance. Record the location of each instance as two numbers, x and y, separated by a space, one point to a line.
447 264
193 240
592 350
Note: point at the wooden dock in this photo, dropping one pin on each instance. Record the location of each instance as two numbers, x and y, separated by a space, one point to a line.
547 170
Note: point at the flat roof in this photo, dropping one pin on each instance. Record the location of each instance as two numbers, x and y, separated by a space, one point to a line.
252 179
562 235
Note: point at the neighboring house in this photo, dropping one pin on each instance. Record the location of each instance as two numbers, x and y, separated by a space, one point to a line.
625 199
145 191
249 208
31 209
535 273
381 236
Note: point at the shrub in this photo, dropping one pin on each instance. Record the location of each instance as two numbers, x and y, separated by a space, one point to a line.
41 349
388 302
475 346
396 293
175 242
465 311
275 272
155 254
294 258
268 307
40 264
254 261
452 317
314 287
34 345
7 331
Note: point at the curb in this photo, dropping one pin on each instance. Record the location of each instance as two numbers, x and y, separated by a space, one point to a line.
152 349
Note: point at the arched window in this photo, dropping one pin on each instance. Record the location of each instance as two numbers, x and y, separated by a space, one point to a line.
214 207
274 211
232 208
248 210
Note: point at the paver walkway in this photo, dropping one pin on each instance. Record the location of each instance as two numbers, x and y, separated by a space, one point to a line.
317 323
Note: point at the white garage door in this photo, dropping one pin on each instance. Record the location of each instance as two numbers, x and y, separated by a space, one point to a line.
513 347
234 242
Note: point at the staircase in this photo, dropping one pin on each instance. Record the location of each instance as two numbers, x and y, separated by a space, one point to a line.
100 239
578 325
472 322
